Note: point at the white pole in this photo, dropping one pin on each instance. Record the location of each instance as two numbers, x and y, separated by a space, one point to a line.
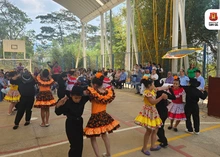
80 45
134 40
84 45
128 44
102 42
107 46
175 33
183 32
218 54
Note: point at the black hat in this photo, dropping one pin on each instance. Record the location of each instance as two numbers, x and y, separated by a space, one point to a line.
198 71
158 83
26 77
77 90
193 82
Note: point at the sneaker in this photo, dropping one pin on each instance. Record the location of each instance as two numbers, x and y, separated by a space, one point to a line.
187 131
197 133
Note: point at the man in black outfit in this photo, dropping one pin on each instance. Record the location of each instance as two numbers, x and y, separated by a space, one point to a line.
73 107
163 112
26 84
192 108
61 91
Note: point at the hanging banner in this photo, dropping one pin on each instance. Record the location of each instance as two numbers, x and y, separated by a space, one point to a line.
180 53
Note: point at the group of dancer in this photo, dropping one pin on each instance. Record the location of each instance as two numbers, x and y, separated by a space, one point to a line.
73 97
155 111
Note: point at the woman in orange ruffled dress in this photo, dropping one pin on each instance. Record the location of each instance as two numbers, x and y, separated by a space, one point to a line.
100 122
44 98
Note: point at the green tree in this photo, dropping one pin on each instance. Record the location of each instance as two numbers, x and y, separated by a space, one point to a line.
57 25
13 21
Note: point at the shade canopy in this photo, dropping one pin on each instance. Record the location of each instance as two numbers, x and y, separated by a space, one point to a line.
180 53
87 10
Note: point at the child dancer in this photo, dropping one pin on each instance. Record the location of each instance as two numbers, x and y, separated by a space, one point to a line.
106 81
100 122
149 117
73 109
61 91
13 95
44 98
192 108
163 112
176 111
71 80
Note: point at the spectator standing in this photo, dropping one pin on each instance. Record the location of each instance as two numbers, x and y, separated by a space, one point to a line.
149 66
159 71
200 79
184 80
191 71
20 68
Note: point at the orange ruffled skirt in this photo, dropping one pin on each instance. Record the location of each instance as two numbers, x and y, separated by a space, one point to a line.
100 123
44 99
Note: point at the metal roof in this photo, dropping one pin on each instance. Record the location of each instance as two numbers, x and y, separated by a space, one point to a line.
86 10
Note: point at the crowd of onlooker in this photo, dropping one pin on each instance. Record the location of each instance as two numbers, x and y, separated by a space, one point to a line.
156 73
118 78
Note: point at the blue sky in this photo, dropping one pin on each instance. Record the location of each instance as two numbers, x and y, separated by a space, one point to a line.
34 8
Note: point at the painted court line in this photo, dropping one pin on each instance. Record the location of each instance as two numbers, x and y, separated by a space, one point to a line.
115 155
169 139
56 144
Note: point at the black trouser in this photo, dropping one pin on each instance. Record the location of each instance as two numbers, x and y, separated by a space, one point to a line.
163 112
194 111
25 105
119 83
74 132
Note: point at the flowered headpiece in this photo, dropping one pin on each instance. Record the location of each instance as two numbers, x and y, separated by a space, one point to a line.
175 77
145 78
98 75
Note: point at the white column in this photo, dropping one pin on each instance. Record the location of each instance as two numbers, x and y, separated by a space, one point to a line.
102 42
79 50
128 41
134 40
183 32
84 45
218 53
175 33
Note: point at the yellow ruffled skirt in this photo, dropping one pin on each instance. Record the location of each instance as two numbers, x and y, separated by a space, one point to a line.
12 96
148 118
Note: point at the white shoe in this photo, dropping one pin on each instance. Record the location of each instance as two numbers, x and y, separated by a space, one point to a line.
197 133
188 131
105 155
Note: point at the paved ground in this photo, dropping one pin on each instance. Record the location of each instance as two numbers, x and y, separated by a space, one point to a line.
36 141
